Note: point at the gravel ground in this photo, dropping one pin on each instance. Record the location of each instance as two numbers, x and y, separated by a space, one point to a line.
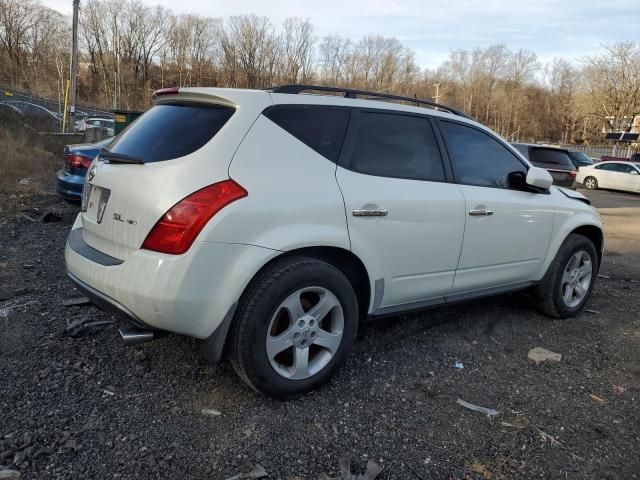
91 408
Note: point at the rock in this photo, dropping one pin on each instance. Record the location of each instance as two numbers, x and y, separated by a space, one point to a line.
210 411
72 301
618 389
20 457
539 355
9 475
257 472
71 443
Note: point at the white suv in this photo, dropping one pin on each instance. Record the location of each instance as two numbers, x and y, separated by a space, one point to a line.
270 223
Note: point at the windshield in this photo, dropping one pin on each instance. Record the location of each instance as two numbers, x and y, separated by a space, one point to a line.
581 157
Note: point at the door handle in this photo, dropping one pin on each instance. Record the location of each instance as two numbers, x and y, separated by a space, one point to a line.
377 212
480 212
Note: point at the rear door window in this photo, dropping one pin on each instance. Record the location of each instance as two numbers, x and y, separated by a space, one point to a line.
550 156
318 127
624 168
398 146
609 167
171 131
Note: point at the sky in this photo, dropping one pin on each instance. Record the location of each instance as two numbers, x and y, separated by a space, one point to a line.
570 29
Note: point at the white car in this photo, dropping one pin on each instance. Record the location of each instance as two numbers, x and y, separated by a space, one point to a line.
270 223
96 122
613 175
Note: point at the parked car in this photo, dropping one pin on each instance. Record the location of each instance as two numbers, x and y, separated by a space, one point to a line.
77 158
96 122
635 157
614 175
270 223
579 159
555 160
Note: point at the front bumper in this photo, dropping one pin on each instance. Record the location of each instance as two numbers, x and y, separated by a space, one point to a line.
187 294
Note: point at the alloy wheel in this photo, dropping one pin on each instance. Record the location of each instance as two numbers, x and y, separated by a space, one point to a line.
576 279
305 333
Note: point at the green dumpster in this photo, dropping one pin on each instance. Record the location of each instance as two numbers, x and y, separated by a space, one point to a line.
122 118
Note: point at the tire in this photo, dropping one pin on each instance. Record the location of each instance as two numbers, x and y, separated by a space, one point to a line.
554 294
278 310
591 183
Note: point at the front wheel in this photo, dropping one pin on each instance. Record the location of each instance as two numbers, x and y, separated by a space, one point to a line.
591 183
295 326
568 283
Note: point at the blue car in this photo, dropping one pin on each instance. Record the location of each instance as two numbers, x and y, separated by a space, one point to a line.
77 159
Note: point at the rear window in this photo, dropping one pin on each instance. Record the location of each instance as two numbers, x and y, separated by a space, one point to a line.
581 158
320 128
551 156
171 131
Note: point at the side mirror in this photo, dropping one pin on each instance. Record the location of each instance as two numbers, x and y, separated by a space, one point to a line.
633 172
539 178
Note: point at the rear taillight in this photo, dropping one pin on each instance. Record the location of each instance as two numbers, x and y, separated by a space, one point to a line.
78 161
177 229
573 174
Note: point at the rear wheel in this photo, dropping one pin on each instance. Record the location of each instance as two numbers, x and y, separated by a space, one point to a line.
568 283
295 326
591 183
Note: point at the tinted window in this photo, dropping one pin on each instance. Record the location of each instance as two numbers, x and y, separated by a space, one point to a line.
551 156
611 167
320 128
397 146
624 168
171 131
581 158
479 159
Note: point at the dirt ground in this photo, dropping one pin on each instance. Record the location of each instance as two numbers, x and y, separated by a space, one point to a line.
89 407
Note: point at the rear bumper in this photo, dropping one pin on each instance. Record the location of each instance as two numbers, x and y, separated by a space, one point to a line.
69 186
106 303
187 294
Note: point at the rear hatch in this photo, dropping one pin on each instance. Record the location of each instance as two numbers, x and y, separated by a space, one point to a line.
182 144
557 162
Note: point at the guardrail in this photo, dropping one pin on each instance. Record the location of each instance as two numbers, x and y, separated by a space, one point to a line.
53 105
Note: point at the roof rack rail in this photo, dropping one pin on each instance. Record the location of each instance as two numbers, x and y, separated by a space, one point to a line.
351 93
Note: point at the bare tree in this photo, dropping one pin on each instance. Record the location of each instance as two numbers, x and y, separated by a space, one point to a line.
613 78
297 50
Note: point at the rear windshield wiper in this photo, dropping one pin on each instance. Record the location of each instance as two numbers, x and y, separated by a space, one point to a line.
119 157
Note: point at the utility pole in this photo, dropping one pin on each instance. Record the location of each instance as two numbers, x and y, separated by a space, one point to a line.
74 67
437 97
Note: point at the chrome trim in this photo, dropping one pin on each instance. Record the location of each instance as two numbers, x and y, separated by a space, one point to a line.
480 212
370 213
